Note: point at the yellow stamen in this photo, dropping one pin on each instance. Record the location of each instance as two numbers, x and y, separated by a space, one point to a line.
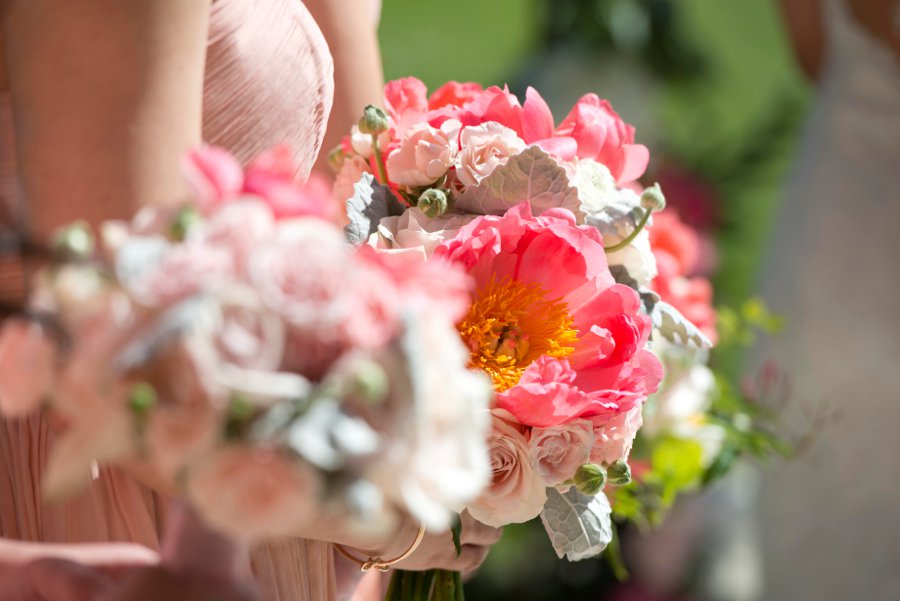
510 324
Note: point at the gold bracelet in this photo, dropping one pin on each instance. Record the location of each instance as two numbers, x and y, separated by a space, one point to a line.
377 563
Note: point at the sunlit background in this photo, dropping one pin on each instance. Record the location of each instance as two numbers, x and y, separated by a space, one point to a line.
713 93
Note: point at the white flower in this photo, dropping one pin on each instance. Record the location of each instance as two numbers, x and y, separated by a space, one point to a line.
413 231
362 143
637 258
595 184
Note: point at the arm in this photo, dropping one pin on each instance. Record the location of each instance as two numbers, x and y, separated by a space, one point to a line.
106 99
805 28
358 79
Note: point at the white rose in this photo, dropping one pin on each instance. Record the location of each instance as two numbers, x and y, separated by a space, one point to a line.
483 148
613 438
595 184
413 231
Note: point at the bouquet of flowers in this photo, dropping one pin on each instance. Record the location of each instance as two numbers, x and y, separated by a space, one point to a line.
548 222
235 348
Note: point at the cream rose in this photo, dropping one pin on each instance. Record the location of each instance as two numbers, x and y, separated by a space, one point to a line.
483 148
516 493
558 451
425 154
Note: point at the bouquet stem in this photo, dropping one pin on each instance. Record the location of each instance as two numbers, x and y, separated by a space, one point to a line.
431 585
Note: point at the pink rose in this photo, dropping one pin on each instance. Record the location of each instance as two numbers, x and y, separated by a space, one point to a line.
614 437
558 451
425 154
483 148
239 227
254 494
414 232
516 493
248 335
184 270
27 362
603 136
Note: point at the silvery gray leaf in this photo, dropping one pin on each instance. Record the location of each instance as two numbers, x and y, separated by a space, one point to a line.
190 315
531 175
677 329
137 256
621 275
579 525
370 203
327 437
615 222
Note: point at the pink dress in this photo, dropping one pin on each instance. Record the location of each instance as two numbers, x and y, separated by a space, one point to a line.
268 81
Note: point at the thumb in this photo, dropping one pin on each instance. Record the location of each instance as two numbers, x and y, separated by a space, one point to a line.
53 579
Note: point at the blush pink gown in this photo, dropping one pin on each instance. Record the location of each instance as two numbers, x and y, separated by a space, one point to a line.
268 80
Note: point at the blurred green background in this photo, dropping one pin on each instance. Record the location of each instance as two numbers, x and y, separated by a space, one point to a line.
713 92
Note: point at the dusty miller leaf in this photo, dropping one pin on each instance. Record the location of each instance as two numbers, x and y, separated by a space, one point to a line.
677 329
615 222
579 525
531 175
371 202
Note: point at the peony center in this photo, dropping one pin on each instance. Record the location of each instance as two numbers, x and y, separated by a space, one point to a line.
510 324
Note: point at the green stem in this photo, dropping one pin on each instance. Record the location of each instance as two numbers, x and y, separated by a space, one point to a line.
423 585
614 556
393 591
634 234
457 582
379 160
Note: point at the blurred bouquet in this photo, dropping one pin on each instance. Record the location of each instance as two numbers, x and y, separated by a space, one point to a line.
548 222
237 349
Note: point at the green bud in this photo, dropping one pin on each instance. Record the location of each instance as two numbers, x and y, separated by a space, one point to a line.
185 219
367 382
653 199
374 121
74 242
336 158
142 398
434 202
590 479
619 473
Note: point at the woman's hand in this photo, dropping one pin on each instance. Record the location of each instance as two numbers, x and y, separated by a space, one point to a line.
88 572
437 550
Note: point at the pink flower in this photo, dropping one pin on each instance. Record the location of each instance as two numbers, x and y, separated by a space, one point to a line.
271 177
27 362
453 93
483 148
254 493
406 101
674 241
239 227
537 128
184 270
493 105
425 154
350 173
214 174
516 493
602 135
614 437
559 338
558 451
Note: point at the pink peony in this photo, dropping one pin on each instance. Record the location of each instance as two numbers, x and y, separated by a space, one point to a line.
271 177
675 241
406 101
454 93
603 136
558 451
559 338
214 174
516 493
493 105
483 148
425 154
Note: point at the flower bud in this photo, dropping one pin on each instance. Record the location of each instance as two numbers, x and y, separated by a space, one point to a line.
185 219
367 382
74 242
142 399
589 479
336 158
653 199
434 202
619 473
374 121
